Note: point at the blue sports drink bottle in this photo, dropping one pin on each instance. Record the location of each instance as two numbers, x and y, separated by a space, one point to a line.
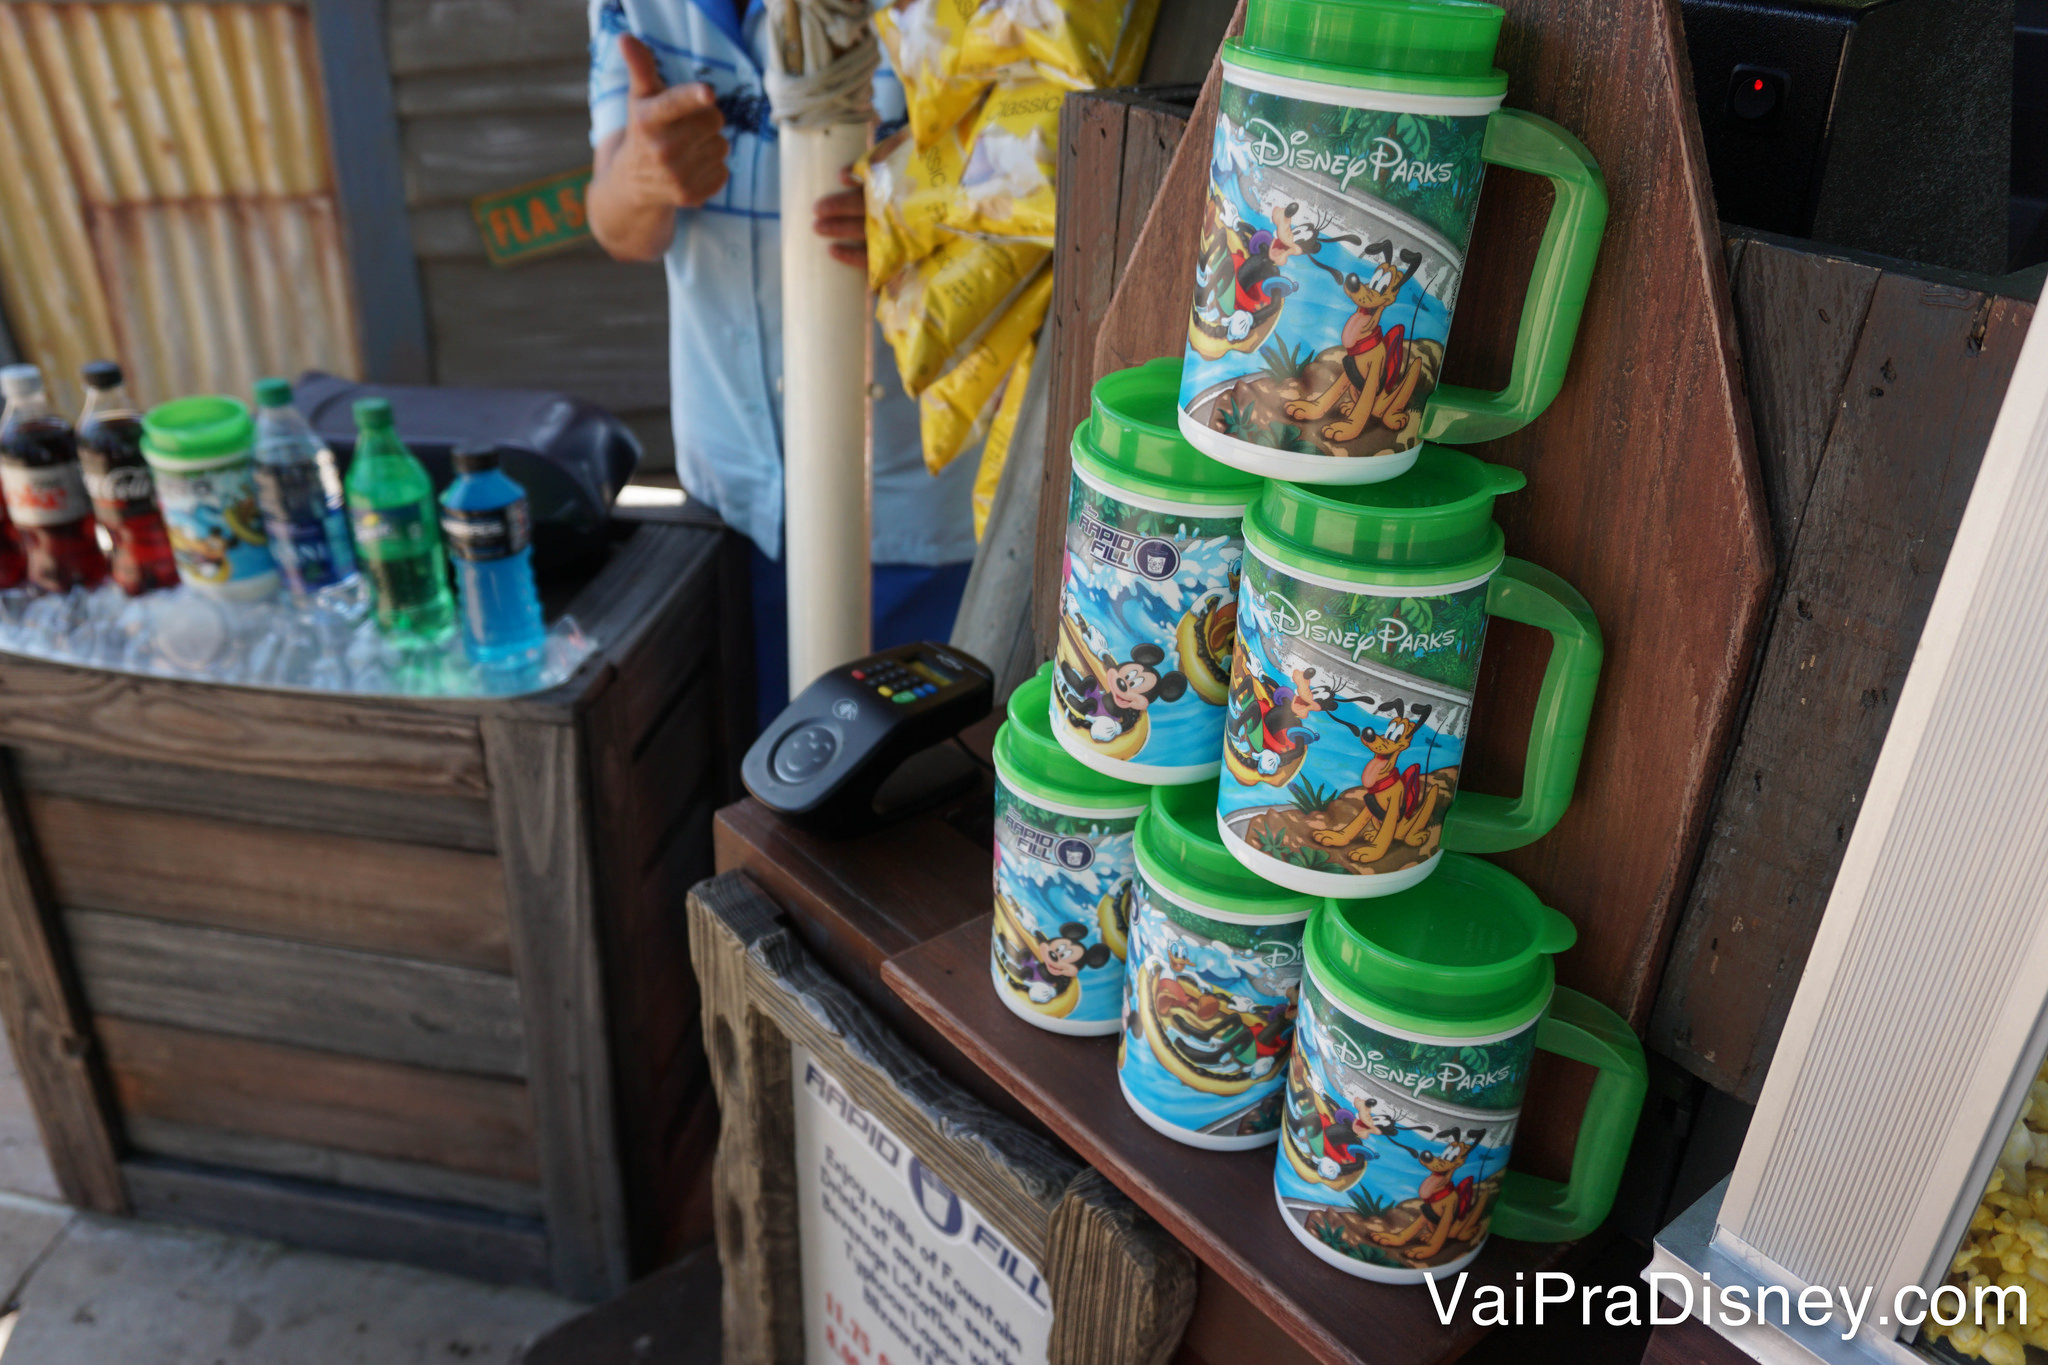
489 534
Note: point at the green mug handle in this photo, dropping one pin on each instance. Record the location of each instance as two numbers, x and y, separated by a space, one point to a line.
1478 823
1522 141
1532 1209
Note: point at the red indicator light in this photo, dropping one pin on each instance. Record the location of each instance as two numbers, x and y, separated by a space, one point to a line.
1757 85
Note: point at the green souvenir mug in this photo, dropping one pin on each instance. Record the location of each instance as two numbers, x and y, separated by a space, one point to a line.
1212 981
1063 868
1351 140
1420 1014
1361 613
1148 587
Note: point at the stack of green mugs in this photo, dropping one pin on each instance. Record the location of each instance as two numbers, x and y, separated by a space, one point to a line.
1230 822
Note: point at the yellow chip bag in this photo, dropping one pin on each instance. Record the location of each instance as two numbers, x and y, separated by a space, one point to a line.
958 405
923 39
936 306
908 190
1134 42
1006 188
1077 39
995 451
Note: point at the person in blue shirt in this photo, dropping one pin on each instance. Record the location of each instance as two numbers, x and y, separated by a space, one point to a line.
686 174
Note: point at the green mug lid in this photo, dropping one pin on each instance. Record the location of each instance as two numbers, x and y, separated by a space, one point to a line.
1184 856
1431 524
1447 44
1132 436
1029 758
1464 953
203 427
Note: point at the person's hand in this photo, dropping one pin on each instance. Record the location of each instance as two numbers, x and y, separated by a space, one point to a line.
842 219
674 149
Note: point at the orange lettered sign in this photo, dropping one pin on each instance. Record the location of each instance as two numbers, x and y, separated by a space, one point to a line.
533 219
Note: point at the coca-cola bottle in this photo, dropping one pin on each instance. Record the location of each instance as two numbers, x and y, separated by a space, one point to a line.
119 482
45 487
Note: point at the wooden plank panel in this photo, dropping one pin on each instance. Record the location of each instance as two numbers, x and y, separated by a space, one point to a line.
659 646
499 88
47 1023
467 1242
543 811
388 745
1114 150
439 904
530 327
303 1161
249 986
443 821
653 790
405 1113
1798 313
455 158
1917 408
453 35
1149 315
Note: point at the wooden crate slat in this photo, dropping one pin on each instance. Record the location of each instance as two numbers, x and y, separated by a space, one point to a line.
1114 150
682 637
441 904
648 788
294 803
652 789
468 1242
1911 418
307 995
381 742
543 813
47 1024
1799 314
327 1165
407 1113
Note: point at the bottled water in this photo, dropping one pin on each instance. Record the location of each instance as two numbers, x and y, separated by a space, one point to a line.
304 512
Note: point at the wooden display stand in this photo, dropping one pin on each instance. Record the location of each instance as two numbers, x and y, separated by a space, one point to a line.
1644 492
385 976
1119 1290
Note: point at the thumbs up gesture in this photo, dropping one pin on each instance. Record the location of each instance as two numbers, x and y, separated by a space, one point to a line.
673 153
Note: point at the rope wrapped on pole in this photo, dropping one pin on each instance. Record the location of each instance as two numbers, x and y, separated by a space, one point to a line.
819 87
826 55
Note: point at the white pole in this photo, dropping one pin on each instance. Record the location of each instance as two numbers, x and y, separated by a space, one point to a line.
825 55
824 390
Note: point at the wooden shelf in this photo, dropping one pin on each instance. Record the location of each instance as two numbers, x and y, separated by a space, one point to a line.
1218 1204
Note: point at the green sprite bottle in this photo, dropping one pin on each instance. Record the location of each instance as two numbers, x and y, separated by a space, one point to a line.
397 529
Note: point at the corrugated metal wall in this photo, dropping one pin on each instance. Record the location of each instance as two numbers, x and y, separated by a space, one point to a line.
179 208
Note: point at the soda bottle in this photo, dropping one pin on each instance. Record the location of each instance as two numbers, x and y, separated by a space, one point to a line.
398 537
489 534
122 489
305 513
45 487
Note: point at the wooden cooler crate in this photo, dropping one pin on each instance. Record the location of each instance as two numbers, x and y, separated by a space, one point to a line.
390 977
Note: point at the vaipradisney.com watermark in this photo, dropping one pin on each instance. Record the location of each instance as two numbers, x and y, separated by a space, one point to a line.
1556 1296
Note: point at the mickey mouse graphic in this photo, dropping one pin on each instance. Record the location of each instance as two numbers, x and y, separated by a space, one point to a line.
1113 695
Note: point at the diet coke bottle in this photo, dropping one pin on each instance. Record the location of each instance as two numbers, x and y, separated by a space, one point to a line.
45 487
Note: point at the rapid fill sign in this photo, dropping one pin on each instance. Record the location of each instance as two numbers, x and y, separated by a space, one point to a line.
899 1269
